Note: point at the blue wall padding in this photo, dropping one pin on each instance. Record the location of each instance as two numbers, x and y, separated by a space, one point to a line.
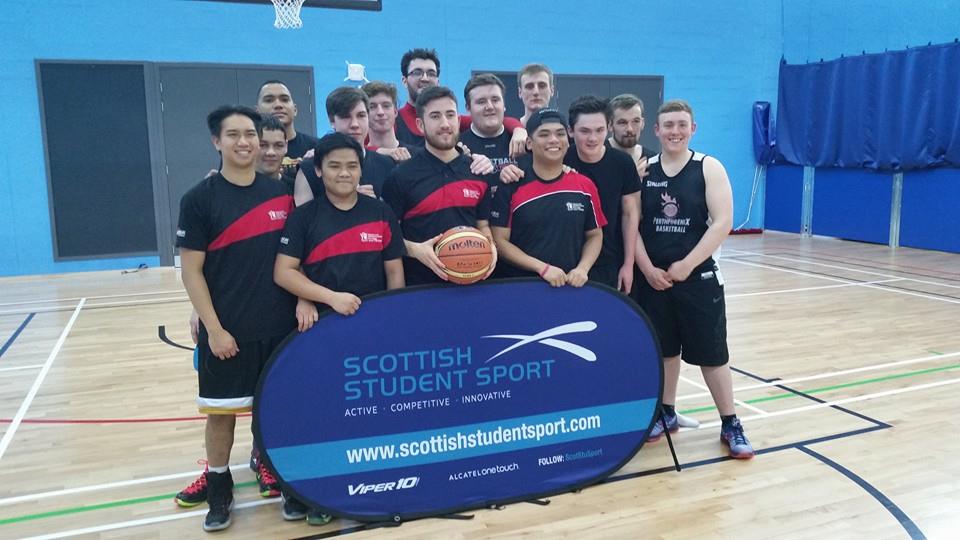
784 198
929 215
852 204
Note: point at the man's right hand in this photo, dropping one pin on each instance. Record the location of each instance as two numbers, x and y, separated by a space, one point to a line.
222 344
423 252
658 279
555 277
642 167
397 154
510 174
194 326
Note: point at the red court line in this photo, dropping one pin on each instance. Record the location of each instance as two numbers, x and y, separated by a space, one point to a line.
112 420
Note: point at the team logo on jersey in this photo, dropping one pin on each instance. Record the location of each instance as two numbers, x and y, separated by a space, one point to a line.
371 237
471 193
181 233
574 207
494 214
284 240
277 215
670 206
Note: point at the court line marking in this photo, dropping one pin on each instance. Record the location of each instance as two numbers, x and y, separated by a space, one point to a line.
838 267
888 504
98 487
16 333
843 401
25 404
20 367
95 487
809 392
71 300
828 375
145 521
804 289
103 305
735 400
845 280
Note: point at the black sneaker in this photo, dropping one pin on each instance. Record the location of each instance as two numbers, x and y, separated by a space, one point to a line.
196 492
316 517
220 500
292 509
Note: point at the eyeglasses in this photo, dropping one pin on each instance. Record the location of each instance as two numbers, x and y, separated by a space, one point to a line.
419 74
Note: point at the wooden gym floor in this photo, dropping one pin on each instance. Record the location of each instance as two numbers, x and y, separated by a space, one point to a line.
846 357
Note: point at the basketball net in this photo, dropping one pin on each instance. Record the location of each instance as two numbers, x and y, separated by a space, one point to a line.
288 13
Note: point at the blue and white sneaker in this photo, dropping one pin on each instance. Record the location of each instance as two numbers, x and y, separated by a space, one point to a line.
732 435
657 430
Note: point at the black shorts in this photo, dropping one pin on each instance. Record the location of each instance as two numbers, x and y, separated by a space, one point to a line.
605 274
690 318
227 386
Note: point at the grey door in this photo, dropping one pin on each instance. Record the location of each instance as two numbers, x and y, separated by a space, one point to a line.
648 88
188 94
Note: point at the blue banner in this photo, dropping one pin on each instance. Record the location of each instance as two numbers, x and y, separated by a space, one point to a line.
432 400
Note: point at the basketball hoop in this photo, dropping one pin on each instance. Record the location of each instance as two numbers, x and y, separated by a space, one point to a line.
288 14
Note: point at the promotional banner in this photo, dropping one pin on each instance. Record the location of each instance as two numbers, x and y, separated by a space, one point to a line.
432 400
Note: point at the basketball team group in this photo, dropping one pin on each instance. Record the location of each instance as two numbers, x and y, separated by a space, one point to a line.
291 226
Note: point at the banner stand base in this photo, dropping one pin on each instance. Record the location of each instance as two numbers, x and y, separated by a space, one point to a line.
539 502
673 452
460 517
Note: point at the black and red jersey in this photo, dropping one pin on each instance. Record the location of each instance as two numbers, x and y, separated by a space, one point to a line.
547 218
410 135
343 250
430 197
373 170
615 175
238 227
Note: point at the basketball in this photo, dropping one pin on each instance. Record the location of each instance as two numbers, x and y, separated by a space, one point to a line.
466 253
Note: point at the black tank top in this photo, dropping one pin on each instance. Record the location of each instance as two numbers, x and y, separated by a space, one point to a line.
675 215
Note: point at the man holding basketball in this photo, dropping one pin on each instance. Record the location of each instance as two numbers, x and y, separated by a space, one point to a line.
550 223
435 190
687 212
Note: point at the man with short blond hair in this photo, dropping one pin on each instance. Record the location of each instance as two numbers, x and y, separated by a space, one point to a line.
535 88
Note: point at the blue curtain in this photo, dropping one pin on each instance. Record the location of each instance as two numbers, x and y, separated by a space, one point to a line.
891 111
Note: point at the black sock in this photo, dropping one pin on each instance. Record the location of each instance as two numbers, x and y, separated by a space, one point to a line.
727 420
670 410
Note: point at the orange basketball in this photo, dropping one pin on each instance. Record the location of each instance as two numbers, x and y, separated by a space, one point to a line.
466 253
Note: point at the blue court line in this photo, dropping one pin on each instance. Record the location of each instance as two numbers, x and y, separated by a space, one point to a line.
16 333
905 521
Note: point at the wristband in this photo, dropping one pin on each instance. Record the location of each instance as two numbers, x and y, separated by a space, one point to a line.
544 271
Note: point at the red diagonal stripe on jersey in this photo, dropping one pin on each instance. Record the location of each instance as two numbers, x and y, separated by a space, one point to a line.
261 219
372 236
454 194
571 182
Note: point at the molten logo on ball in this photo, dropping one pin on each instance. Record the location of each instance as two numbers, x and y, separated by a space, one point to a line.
466 254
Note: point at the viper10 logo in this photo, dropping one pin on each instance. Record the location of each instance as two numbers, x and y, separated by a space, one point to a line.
403 483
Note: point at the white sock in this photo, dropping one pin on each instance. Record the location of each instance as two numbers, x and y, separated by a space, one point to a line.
220 470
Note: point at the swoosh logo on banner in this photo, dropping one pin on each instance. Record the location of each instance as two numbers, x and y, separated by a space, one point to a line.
546 336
